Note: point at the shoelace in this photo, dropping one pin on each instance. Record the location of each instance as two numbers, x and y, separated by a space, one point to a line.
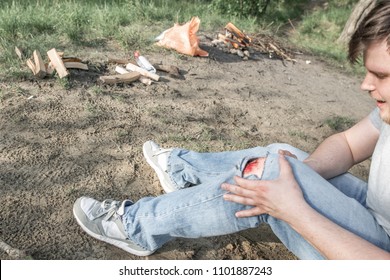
110 207
162 151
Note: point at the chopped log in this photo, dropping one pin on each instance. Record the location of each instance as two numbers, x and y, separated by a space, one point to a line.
240 36
121 70
71 59
31 65
57 63
40 69
142 79
120 78
145 81
76 65
19 53
142 71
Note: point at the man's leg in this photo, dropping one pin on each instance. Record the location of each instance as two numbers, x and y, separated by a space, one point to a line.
201 211
189 168
331 202
346 183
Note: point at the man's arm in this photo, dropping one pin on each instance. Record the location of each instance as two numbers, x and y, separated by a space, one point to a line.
333 241
339 152
283 199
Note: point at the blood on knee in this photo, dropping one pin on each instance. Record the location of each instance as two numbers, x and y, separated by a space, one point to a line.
254 167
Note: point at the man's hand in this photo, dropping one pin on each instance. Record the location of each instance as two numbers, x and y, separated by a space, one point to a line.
281 198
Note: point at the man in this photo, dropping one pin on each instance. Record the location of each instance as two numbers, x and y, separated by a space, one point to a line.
338 218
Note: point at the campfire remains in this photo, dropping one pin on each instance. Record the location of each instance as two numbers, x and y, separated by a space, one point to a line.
235 41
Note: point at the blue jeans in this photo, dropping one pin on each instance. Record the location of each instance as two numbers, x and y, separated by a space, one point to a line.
199 210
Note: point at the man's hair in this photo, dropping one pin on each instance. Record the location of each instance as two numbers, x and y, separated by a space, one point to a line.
374 28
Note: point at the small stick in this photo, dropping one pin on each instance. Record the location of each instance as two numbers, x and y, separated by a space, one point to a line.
13 252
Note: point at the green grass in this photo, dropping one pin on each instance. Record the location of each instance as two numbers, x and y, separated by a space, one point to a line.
133 24
339 123
320 28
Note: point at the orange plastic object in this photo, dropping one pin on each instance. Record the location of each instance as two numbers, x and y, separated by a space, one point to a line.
183 39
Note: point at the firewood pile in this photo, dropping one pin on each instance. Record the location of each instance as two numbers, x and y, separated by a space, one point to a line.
57 62
235 41
126 71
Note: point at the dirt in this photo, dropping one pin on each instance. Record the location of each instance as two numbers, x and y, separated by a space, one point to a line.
61 139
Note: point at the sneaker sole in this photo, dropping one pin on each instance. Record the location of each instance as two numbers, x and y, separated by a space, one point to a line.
116 242
160 173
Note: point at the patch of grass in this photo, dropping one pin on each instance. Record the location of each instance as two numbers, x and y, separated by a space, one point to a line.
92 109
65 83
320 28
133 24
132 37
97 90
339 123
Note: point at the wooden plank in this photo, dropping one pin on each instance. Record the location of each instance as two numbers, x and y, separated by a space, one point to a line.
31 65
71 59
120 78
142 71
76 65
121 70
40 68
57 63
142 79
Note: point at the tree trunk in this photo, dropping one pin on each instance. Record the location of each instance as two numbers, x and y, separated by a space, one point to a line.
362 8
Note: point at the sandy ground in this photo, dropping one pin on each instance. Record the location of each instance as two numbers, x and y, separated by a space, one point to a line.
60 141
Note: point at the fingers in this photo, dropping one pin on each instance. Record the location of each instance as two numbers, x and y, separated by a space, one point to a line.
285 168
239 199
238 194
264 195
249 184
255 211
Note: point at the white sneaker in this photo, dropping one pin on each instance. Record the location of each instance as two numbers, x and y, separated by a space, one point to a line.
102 220
158 160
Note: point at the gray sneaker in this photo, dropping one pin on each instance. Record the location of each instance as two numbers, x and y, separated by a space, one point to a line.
102 220
158 160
